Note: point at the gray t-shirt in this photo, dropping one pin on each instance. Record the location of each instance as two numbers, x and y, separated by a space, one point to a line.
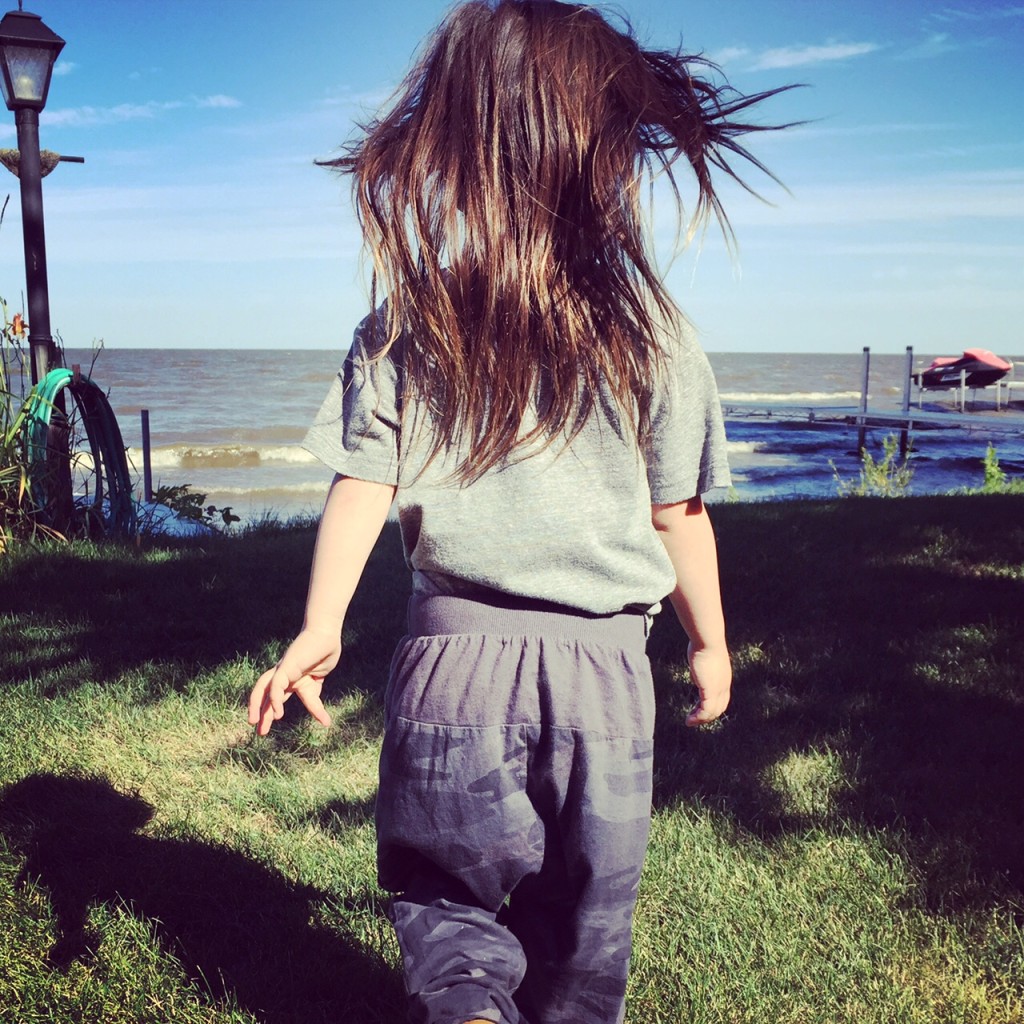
570 523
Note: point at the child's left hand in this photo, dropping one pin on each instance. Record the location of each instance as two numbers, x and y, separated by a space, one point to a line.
711 673
301 671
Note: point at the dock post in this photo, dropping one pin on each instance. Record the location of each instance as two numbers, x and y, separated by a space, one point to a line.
907 374
861 419
147 463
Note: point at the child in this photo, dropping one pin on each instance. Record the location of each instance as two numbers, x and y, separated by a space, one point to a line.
540 408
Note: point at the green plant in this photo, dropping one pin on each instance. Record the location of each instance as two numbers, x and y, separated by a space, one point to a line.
995 478
18 515
13 472
996 481
188 504
888 477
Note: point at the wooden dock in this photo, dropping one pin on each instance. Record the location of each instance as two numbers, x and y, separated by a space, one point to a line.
1006 420
1002 415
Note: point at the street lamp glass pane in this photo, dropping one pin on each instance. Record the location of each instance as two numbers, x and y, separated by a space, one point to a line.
28 67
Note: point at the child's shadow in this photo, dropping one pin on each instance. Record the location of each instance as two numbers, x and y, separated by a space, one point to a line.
240 930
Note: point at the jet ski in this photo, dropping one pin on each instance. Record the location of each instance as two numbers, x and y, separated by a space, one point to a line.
981 367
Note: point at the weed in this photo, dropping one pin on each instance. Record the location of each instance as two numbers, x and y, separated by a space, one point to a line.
995 480
888 477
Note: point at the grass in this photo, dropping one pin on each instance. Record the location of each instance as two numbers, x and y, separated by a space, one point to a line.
848 845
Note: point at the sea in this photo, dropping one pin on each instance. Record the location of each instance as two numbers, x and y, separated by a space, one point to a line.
228 423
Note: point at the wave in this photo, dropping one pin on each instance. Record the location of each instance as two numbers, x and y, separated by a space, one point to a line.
794 397
744 447
311 489
191 456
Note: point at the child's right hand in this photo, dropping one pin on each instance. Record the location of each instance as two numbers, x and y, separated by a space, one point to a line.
301 671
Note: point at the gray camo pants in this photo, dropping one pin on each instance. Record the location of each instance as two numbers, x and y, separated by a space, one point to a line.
513 810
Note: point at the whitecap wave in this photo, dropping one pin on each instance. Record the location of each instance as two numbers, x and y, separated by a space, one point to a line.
313 488
743 447
190 456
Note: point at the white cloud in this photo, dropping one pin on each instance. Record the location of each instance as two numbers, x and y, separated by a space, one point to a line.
801 56
788 56
804 132
364 100
79 117
284 217
935 45
217 102
967 272
729 55
900 272
64 67
986 13
948 250
993 196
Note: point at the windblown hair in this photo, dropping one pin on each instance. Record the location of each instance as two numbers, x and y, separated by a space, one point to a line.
500 199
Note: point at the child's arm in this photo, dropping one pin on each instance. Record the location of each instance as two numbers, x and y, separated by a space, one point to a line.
353 517
685 530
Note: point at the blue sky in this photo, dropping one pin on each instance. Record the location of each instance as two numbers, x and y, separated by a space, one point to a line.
199 220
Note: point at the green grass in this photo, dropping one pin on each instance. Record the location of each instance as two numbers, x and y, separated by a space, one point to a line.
847 845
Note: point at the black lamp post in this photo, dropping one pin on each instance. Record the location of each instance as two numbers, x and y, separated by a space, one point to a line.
28 50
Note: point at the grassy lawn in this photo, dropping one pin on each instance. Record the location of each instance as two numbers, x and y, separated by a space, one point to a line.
848 845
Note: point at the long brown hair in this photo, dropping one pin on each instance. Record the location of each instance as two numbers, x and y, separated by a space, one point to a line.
500 198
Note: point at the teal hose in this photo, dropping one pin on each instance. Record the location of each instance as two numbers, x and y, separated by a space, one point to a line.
105 442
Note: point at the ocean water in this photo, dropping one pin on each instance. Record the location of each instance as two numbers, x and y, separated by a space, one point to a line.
228 423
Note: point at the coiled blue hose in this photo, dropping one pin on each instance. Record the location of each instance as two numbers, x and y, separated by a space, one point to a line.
113 501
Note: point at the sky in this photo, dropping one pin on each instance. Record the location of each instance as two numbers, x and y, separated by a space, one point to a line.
200 220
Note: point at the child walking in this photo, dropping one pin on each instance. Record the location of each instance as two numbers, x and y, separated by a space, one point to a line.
541 410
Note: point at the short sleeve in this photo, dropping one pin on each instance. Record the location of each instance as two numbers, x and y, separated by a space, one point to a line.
356 431
687 454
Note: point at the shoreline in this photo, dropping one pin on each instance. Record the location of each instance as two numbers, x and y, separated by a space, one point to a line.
226 422
722 498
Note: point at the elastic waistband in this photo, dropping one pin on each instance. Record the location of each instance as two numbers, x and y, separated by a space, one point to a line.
445 615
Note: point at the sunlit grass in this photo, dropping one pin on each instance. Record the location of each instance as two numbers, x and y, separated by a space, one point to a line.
847 845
